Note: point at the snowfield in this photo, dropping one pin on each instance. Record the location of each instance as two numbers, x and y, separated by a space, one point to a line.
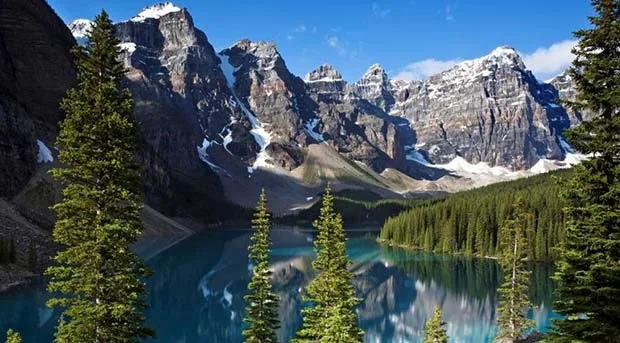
156 11
261 136
44 155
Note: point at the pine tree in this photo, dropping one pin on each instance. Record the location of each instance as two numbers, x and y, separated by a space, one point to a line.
98 278
435 331
330 293
514 301
262 302
589 270
13 337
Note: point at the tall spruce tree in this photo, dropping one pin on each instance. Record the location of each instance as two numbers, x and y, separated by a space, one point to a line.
514 301
589 269
262 302
13 337
330 318
98 278
435 331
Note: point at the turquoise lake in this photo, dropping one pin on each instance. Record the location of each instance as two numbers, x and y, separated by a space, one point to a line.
196 293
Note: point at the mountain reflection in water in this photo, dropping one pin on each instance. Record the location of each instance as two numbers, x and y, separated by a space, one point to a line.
196 293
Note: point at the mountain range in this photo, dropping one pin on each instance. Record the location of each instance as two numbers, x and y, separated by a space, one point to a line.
218 126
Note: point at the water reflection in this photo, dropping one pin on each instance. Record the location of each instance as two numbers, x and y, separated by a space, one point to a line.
196 294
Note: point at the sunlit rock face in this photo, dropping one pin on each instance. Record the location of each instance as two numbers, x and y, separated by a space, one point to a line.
355 127
209 120
272 94
181 93
566 89
490 109
374 86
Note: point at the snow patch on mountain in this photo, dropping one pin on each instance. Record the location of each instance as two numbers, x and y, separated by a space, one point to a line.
80 27
542 166
261 135
310 128
545 165
564 144
156 11
571 158
204 156
324 79
413 155
461 165
129 47
467 72
458 165
44 155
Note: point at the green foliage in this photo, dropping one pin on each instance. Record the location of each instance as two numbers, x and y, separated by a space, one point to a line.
97 277
589 269
356 207
13 337
435 331
468 222
262 303
330 318
514 301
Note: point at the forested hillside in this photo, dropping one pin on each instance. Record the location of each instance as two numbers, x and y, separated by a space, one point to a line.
359 207
468 222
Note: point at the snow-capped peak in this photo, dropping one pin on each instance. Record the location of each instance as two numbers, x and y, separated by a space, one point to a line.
375 75
156 11
80 27
504 50
374 70
501 58
563 77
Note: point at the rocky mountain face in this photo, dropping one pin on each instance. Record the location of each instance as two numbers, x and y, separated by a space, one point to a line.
212 118
353 125
490 110
213 123
567 90
180 99
274 99
36 69
31 86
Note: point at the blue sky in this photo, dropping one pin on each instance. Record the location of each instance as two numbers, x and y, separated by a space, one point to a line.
410 38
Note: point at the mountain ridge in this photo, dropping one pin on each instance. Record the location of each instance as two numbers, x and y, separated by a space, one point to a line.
482 120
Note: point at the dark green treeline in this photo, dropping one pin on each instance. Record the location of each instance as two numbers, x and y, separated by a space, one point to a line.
468 222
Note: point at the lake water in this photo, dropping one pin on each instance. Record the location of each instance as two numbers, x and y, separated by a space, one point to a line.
196 293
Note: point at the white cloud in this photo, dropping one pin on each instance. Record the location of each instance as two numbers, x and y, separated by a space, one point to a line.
300 29
423 69
380 12
333 41
342 47
549 61
449 14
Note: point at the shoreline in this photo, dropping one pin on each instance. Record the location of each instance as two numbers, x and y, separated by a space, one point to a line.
459 254
407 247
13 277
